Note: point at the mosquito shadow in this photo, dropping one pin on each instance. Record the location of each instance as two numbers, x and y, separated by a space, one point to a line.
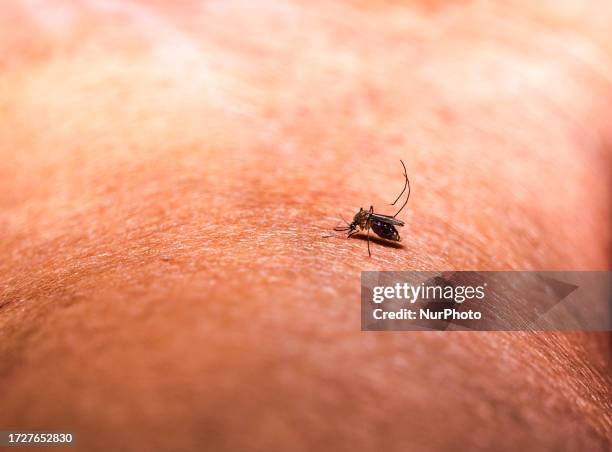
378 241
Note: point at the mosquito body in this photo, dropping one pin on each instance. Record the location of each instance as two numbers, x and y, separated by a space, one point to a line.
383 225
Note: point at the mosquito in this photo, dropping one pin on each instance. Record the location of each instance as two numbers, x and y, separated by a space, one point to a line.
383 225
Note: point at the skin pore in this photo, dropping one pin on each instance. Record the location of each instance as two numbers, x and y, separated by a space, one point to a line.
167 175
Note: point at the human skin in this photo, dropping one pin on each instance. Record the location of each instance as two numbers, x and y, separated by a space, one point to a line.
167 178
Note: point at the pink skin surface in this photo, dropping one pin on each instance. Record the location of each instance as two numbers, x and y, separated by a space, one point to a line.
168 172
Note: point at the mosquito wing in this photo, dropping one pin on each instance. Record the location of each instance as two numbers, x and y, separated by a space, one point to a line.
387 219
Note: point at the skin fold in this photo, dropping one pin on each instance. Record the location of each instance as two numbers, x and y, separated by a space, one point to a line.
169 172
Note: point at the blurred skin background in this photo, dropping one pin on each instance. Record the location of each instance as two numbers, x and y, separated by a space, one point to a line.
168 170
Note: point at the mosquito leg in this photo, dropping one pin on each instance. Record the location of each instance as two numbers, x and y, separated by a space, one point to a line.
370 212
405 184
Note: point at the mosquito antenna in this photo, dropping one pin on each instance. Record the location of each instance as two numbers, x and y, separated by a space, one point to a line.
348 225
407 184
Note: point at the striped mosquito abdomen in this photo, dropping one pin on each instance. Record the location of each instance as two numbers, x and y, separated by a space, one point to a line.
385 230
